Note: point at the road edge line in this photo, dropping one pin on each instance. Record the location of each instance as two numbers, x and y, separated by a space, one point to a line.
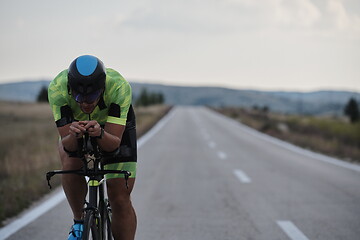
33 214
30 216
291 230
292 147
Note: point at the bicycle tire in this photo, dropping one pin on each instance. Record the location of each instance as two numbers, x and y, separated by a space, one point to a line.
90 227
106 220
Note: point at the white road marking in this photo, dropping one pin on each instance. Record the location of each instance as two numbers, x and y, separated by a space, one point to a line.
155 129
211 144
27 218
291 147
291 230
222 155
242 176
33 214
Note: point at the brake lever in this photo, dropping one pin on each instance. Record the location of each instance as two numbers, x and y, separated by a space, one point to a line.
49 175
127 175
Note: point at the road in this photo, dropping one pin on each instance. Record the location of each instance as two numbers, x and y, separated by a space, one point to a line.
204 176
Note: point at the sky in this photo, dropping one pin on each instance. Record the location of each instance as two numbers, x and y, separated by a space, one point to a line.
289 45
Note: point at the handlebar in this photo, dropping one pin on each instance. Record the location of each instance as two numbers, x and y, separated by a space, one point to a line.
88 147
87 173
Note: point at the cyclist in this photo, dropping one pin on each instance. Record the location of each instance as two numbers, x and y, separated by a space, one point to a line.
90 98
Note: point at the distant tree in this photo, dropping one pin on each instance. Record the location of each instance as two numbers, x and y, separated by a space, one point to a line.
146 99
143 99
43 95
265 109
152 98
352 110
161 98
157 98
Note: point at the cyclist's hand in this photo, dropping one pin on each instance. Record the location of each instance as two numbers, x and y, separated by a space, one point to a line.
92 127
77 129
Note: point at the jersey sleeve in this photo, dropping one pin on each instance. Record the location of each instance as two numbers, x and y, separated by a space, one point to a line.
58 101
121 100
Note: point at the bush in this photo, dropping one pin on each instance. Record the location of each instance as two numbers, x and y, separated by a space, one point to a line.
43 95
352 110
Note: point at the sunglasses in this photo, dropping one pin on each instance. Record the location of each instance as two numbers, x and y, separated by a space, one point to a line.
87 98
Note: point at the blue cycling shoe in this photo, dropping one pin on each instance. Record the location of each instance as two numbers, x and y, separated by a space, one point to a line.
76 231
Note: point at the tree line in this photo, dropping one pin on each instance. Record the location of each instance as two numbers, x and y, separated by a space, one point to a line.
145 98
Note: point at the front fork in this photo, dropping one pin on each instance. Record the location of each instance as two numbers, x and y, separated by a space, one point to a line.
98 205
92 204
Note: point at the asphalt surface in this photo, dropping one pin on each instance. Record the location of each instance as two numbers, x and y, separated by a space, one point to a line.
204 176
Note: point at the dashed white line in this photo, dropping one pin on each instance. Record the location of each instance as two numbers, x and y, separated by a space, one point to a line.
291 230
242 176
291 147
222 155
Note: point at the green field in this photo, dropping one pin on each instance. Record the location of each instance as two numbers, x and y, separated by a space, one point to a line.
28 149
328 135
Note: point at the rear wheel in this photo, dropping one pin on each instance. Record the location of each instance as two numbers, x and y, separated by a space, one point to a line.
90 227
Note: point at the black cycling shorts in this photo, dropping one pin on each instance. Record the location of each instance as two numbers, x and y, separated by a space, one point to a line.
127 151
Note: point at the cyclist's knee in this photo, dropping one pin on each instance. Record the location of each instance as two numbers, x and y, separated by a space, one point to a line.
67 162
119 195
120 202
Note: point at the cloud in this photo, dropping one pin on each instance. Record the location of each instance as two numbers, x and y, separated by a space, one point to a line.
342 19
179 16
296 12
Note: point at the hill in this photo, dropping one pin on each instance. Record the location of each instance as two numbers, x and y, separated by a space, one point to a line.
313 103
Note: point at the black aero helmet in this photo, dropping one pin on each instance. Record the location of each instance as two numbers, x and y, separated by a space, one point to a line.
86 75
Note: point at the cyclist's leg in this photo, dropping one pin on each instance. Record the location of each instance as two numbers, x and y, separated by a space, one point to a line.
74 185
123 214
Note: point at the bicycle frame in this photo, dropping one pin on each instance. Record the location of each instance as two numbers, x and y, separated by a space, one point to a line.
96 173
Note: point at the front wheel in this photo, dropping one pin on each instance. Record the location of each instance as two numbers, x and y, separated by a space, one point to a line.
106 220
90 226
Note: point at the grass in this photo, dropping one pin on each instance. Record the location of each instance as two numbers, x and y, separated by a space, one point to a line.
147 116
27 146
28 149
331 136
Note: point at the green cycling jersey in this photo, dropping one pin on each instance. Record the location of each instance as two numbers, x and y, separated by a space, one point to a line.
112 107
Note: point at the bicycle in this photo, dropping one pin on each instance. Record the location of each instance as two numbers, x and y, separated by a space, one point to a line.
97 211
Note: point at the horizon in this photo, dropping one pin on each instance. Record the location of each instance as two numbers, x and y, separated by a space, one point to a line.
137 81
299 45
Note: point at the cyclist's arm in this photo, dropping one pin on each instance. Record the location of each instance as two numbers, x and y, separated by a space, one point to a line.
121 96
68 135
109 142
63 115
109 138
112 137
